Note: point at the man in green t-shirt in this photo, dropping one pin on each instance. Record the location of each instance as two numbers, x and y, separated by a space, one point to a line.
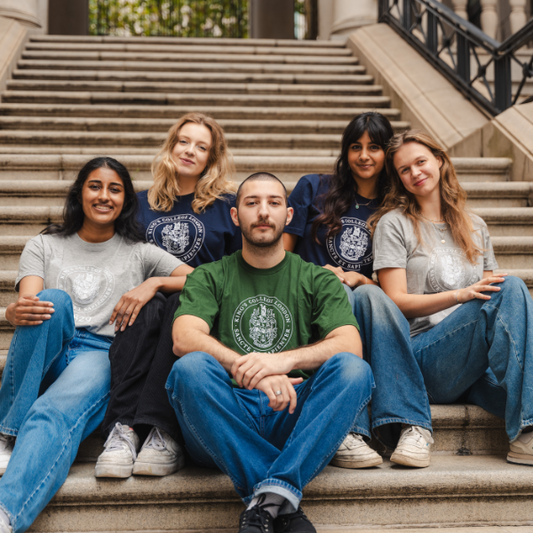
270 377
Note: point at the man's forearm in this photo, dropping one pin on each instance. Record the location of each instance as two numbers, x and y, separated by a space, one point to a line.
197 341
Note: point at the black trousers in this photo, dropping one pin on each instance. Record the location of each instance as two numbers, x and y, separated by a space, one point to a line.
141 359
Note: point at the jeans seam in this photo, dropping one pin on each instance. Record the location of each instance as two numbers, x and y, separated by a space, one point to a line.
515 350
448 334
61 453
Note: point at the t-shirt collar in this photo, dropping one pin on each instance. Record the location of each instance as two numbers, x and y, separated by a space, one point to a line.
262 271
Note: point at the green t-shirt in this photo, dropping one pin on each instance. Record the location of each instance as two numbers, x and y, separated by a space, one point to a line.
268 310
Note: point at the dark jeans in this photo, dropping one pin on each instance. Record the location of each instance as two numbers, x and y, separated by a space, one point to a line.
141 360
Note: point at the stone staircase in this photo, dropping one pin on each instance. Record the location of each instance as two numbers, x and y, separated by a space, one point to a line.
284 105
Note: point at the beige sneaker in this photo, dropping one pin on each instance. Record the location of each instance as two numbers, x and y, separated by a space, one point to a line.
413 448
120 451
354 452
160 455
521 451
6 449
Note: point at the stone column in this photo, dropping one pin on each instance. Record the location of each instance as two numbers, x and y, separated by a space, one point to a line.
348 15
459 7
518 17
24 11
489 17
271 19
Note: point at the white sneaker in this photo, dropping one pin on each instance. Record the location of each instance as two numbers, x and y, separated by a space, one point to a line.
5 527
521 451
6 449
413 447
160 455
354 452
120 452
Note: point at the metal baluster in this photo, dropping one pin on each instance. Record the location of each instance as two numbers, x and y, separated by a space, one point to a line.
432 32
502 83
407 14
463 57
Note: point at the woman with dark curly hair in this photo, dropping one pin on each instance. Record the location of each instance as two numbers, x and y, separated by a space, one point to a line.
74 281
329 228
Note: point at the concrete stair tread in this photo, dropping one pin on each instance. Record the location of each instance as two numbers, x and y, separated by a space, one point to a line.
196 58
146 124
193 87
204 77
193 67
147 47
164 111
87 97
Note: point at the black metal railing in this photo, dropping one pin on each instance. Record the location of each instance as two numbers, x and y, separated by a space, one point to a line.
475 63
174 18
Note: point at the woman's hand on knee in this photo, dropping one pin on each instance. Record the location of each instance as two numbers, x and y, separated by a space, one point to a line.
28 310
476 290
131 303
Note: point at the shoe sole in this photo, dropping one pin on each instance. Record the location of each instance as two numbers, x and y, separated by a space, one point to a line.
356 464
520 458
405 460
155 469
122 472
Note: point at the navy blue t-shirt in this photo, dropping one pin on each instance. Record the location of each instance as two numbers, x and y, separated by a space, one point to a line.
195 238
351 248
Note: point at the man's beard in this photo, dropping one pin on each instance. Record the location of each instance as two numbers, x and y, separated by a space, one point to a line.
247 235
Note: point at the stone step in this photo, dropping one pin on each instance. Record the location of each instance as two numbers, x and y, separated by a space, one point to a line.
192 77
453 491
219 112
507 222
188 41
162 125
62 166
266 100
185 58
184 48
264 68
193 87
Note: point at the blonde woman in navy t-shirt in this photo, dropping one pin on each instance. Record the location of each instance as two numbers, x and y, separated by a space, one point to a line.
329 229
186 213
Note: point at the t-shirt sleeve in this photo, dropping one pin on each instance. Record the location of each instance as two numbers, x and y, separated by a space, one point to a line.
489 260
31 260
199 296
388 245
301 200
158 262
331 308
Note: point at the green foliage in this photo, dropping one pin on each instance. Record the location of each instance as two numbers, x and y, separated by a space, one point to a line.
177 18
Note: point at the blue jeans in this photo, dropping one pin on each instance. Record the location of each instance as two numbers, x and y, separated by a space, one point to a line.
259 449
483 352
55 390
400 395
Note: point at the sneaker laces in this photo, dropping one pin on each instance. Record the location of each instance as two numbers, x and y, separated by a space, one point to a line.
354 440
155 440
6 442
117 438
416 434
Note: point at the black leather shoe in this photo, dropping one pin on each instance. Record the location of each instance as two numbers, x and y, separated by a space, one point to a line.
293 523
256 520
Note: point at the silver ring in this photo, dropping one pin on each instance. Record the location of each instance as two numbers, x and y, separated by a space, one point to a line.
278 393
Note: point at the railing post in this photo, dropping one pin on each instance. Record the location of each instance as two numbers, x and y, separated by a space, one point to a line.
433 35
407 15
503 84
463 58
383 8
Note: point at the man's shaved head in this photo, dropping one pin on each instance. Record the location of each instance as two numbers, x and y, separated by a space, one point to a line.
260 176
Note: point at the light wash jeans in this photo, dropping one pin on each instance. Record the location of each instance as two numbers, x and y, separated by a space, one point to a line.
55 390
400 395
259 449
483 352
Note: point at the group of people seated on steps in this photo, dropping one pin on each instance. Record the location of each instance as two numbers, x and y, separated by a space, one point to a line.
251 330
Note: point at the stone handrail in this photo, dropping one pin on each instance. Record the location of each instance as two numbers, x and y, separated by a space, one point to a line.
13 37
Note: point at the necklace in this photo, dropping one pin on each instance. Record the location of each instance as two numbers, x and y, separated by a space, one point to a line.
440 231
357 204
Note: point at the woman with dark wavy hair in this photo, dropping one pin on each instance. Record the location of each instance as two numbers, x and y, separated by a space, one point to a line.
329 228
75 281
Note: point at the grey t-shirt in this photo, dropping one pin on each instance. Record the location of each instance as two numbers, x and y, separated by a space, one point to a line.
431 267
95 275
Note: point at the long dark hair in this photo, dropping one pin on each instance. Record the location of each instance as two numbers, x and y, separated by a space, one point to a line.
341 187
126 224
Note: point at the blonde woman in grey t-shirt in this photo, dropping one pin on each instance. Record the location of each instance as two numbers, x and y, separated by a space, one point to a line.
77 282
472 330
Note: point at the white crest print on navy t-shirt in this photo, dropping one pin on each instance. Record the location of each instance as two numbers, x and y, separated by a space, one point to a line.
351 248
180 235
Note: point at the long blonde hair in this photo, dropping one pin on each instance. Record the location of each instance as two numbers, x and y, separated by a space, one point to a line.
453 196
215 181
